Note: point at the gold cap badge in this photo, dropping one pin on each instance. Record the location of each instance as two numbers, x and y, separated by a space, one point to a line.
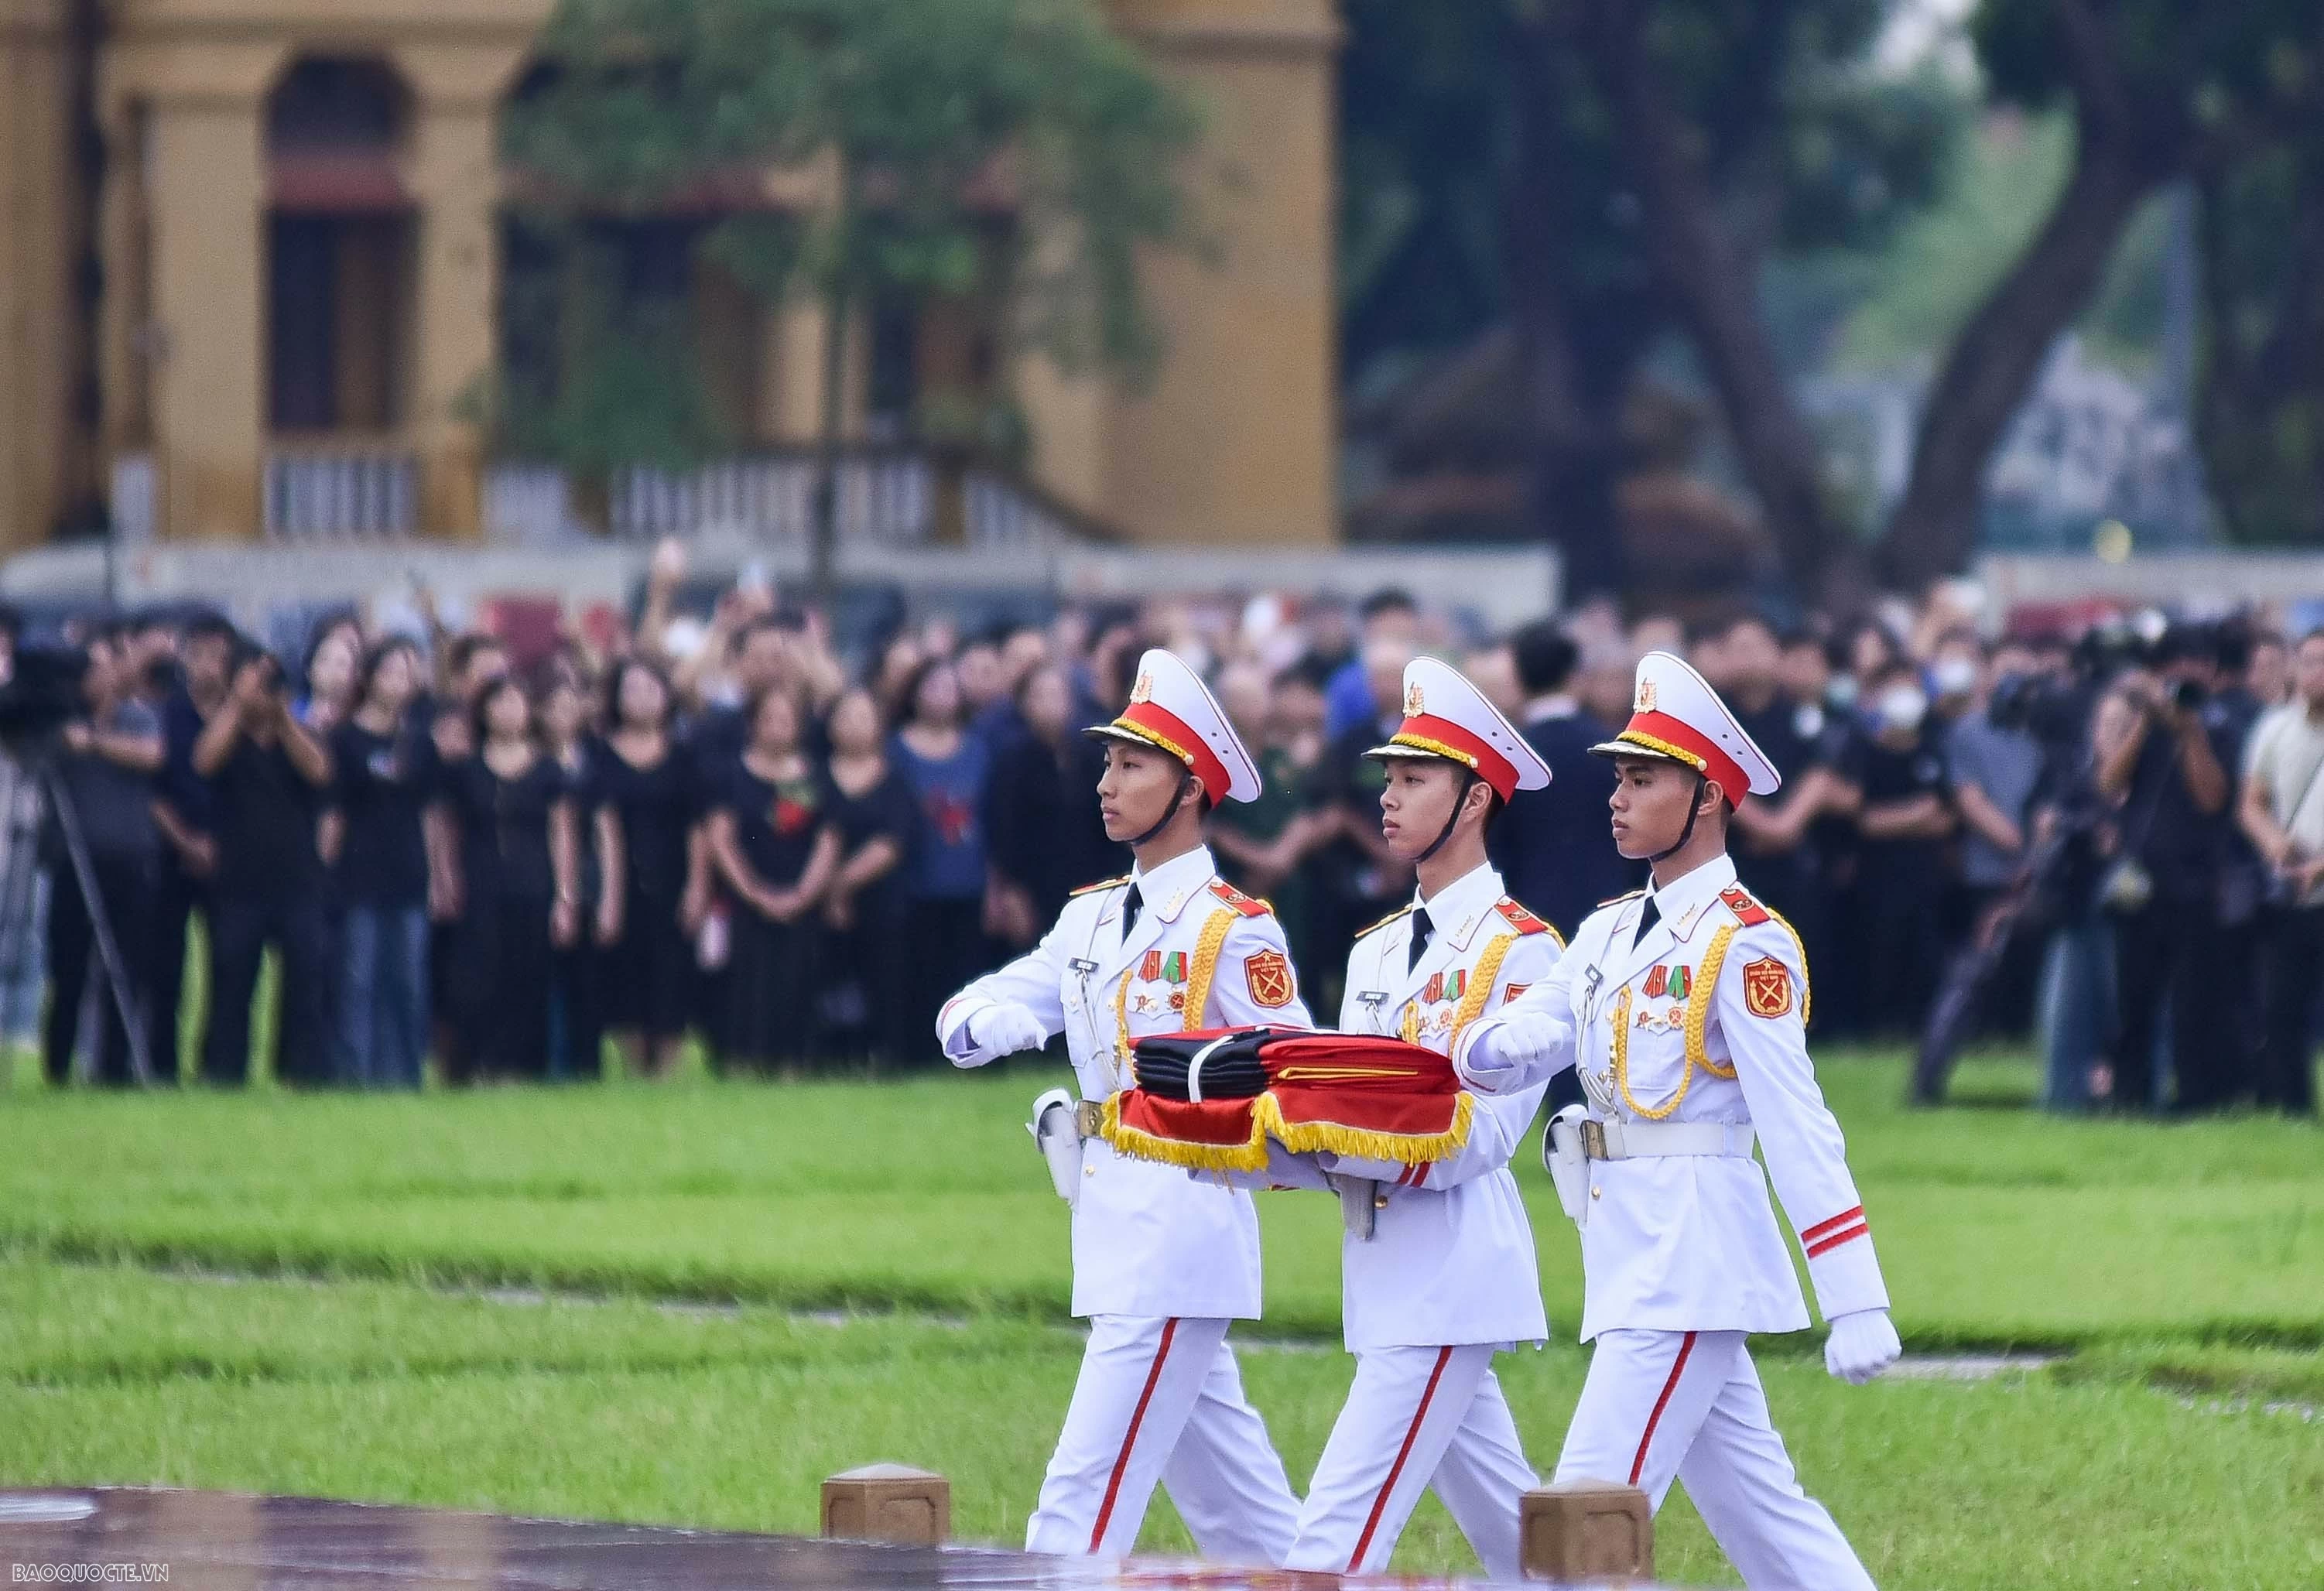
1646 696
1413 703
1143 691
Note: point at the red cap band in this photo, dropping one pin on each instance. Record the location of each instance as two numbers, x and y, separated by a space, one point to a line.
1676 731
1490 765
1170 732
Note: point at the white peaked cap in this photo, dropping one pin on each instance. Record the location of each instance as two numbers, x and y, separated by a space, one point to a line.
1446 716
1676 714
1171 708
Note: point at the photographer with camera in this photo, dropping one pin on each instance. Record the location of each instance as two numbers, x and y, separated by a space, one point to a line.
2170 774
105 767
269 775
2282 814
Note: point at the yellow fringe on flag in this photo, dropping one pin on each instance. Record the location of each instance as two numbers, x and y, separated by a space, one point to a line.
1210 1157
1407 1148
1300 1137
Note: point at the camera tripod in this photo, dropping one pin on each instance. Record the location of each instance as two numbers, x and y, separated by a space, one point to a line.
17 882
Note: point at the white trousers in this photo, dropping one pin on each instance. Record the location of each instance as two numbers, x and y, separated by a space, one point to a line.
1161 1400
1687 1405
1416 1418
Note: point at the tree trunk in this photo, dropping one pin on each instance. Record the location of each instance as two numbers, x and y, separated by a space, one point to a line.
1573 452
1713 283
1999 353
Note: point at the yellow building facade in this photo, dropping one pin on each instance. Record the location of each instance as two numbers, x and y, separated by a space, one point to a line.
253 251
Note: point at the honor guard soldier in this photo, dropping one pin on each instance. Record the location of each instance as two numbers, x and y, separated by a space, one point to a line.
1438 1272
1162 1262
1684 1008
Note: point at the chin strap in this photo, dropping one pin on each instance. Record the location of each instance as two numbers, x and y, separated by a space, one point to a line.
1178 800
1460 798
1693 810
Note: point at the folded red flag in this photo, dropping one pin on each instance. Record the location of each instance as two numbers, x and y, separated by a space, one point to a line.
1348 1094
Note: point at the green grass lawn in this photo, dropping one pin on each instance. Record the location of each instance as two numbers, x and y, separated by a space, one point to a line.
328 1347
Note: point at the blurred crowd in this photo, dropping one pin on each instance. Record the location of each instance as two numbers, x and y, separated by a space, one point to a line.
531 861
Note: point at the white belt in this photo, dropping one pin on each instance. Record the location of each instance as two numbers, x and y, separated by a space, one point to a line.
1651 1140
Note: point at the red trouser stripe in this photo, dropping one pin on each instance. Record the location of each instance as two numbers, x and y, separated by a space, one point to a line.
1380 1504
1129 1438
1638 1464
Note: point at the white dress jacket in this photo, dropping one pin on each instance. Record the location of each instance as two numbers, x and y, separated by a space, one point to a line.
1703 1019
1148 1239
1450 1259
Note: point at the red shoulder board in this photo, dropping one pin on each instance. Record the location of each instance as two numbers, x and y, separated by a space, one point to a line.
1748 912
1518 918
1103 884
1239 900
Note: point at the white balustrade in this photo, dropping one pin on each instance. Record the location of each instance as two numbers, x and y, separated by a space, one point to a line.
340 492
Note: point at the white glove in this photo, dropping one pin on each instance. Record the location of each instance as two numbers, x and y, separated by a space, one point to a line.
1357 1165
1517 1046
1005 1027
1863 1343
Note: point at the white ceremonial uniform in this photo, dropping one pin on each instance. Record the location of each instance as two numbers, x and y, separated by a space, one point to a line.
1161 1262
1448 1277
1699 1025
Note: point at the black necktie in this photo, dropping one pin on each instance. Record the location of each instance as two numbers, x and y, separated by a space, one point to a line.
1423 930
1129 905
1652 915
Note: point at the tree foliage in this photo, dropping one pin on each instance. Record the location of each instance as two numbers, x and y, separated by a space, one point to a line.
2260 402
1018 153
1494 167
2159 91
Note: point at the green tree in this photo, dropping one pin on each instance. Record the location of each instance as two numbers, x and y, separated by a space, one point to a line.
1605 172
2260 394
1016 151
2159 90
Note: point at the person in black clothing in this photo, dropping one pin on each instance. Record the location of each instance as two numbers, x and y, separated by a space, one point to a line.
2170 773
106 769
1042 832
520 888
775 846
465 665
1822 694
387 775
2240 893
1359 880
646 798
577 1050
182 809
1775 856
867 1003
1907 817
268 774
1552 844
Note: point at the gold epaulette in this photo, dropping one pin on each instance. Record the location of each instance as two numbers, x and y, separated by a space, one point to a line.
1384 922
1618 899
1101 884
